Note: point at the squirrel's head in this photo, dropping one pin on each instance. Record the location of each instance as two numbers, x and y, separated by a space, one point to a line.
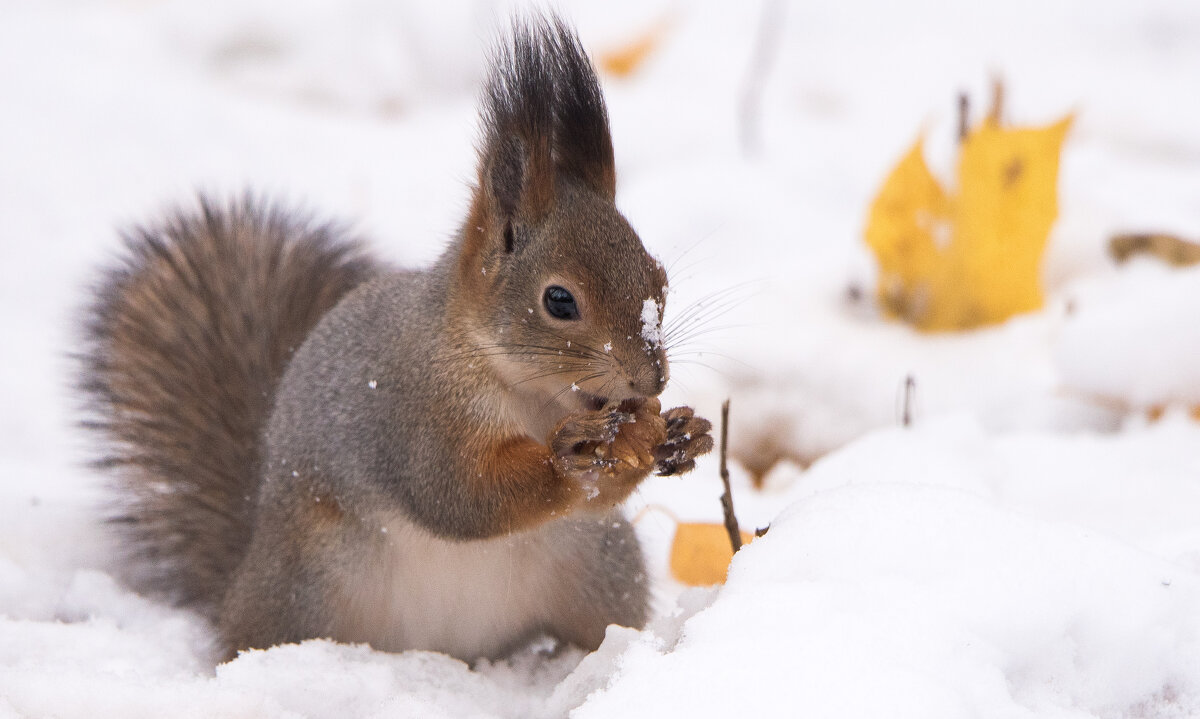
563 298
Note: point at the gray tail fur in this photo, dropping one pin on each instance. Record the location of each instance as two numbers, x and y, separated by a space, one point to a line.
186 340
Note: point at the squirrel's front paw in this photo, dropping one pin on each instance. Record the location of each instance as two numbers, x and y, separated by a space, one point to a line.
608 451
687 438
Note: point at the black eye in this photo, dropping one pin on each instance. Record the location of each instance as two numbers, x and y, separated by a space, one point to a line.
560 303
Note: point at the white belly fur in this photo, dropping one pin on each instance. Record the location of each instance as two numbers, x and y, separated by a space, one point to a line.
468 599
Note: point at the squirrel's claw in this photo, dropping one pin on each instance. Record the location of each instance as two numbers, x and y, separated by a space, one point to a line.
580 435
687 438
615 445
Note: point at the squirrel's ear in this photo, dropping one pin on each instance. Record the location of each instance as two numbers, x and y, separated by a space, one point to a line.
516 165
543 115
516 180
582 141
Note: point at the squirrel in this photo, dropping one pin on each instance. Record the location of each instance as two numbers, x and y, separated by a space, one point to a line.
307 443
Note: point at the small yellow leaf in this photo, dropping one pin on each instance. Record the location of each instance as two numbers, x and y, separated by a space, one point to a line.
625 60
959 261
701 553
908 222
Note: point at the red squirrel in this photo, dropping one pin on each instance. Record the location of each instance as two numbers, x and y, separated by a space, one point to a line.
307 443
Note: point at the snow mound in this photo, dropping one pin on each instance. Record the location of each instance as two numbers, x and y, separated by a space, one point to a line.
903 590
1134 337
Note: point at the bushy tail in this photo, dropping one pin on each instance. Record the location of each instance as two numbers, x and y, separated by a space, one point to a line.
186 340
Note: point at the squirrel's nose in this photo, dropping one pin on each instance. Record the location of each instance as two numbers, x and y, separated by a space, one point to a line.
652 377
649 388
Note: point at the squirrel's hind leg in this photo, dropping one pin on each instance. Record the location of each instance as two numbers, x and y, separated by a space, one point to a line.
604 580
287 587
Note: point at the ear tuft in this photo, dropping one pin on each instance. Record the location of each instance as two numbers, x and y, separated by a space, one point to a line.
543 115
582 140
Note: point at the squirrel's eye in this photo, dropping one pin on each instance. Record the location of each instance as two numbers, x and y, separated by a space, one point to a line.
560 303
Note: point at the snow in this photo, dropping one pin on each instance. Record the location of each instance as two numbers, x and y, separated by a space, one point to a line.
942 571
1141 321
1029 547
652 322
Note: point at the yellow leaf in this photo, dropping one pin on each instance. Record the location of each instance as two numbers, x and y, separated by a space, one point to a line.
701 553
1008 201
908 221
959 261
625 60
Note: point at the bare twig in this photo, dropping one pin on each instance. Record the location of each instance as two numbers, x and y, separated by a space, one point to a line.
964 116
910 390
765 46
731 523
996 113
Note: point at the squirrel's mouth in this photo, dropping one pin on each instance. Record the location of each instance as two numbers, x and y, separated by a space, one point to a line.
591 401
595 402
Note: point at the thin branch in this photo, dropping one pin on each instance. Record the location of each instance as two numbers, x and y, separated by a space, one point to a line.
765 48
731 523
964 116
996 112
910 390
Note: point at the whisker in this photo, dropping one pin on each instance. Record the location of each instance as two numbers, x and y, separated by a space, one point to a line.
673 267
518 350
706 308
674 270
694 323
698 332
682 385
568 345
555 397
608 383
548 373
698 363
721 293
574 344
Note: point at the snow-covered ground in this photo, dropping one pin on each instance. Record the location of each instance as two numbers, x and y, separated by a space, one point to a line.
1030 547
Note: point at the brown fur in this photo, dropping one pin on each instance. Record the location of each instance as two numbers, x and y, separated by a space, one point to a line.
520 473
436 464
181 365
